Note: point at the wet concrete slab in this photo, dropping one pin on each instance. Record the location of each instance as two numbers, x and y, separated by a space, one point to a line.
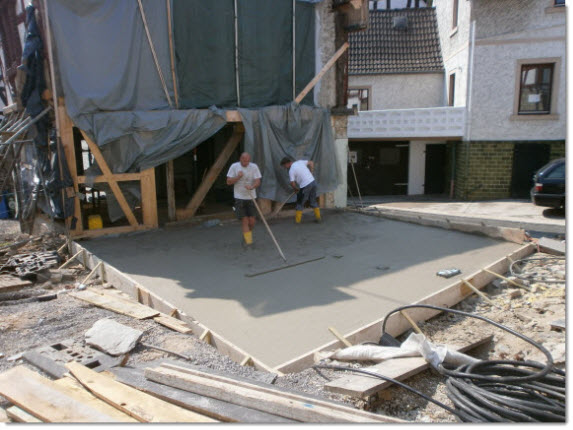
371 265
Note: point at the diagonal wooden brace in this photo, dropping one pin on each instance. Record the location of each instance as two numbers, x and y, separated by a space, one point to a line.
108 176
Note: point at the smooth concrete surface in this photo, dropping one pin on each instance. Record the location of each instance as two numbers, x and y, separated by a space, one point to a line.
371 266
515 213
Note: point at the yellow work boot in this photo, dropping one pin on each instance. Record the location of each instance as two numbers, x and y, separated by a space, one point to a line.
298 217
248 238
317 214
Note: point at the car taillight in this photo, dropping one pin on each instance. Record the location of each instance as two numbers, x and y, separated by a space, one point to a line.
538 187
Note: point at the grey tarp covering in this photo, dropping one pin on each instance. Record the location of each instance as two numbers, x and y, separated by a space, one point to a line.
302 132
105 61
205 30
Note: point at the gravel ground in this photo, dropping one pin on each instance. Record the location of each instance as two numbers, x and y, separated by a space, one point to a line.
27 325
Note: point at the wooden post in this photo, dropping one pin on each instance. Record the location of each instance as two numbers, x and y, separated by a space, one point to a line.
149 198
67 138
211 176
171 204
111 180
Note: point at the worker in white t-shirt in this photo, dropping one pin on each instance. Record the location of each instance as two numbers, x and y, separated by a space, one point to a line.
302 181
245 178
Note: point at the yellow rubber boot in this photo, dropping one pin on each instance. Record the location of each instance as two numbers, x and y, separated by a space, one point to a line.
248 237
298 217
317 214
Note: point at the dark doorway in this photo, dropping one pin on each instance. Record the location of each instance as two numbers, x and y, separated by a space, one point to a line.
435 175
381 168
527 159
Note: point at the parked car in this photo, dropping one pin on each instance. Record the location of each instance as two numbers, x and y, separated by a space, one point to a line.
549 188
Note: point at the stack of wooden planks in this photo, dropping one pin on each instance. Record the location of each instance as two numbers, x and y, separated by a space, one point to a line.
165 393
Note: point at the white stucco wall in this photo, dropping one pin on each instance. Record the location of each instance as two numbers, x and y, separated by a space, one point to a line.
536 33
340 194
416 167
455 45
402 91
325 89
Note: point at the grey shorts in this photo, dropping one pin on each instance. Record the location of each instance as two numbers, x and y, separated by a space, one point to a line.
306 193
244 208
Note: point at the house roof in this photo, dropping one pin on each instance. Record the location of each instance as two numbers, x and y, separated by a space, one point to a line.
397 41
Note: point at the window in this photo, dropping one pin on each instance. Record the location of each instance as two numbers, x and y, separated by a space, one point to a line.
559 3
359 97
455 14
396 4
557 173
535 89
451 89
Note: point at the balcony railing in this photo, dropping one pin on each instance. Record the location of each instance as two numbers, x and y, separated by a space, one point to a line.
444 121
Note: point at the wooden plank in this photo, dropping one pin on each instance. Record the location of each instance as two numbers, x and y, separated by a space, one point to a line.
45 364
397 324
171 203
21 416
233 116
102 164
212 175
141 406
149 198
118 305
363 386
81 394
45 400
173 323
213 408
320 74
10 283
273 401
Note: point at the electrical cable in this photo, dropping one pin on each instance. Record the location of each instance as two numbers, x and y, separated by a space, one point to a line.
495 390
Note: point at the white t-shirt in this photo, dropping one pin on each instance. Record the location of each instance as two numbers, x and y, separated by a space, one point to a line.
300 174
250 173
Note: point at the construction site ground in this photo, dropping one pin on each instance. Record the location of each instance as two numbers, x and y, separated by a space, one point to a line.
26 324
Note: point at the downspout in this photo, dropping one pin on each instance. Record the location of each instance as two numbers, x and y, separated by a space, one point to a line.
469 100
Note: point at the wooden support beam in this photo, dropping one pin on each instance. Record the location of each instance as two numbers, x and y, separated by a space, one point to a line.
412 322
149 198
110 180
479 293
171 204
507 280
324 69
118 177
339 336
211 176
67 139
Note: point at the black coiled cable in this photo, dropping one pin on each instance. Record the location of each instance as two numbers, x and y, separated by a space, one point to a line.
497 390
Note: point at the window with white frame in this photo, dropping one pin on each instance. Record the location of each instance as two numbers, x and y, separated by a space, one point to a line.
535 89
359 97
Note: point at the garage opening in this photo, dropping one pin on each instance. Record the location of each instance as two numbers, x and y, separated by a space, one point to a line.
381 168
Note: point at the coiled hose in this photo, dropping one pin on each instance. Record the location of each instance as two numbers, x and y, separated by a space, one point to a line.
496 390
514 268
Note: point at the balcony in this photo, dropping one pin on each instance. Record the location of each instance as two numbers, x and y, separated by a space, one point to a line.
435 122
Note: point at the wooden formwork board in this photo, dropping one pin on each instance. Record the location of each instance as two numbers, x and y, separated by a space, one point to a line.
137 292
398 324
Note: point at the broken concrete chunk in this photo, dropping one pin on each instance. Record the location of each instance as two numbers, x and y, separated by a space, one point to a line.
112 337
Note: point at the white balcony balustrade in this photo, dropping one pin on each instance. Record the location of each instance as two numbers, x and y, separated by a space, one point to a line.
444 121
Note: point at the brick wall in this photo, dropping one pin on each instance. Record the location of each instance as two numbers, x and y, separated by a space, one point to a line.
483 169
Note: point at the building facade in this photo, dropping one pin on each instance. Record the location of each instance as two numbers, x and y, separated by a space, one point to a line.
483 124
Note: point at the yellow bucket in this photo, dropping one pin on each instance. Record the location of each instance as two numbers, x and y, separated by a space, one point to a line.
94 222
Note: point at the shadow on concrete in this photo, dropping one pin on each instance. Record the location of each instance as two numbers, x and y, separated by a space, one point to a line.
366 258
